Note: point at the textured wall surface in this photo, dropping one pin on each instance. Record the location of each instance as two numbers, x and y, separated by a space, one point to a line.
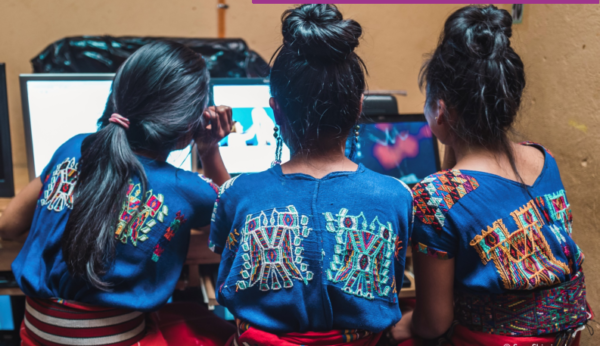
559 44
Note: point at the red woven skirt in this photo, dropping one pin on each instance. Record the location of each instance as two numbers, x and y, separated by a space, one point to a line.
250 336
56 322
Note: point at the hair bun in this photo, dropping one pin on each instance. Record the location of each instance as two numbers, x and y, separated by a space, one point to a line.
319 32
485 31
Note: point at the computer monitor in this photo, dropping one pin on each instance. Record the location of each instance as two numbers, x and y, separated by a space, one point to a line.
7 188
401 146
57 107
252 147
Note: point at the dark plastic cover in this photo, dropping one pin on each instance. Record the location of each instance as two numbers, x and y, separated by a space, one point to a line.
104 54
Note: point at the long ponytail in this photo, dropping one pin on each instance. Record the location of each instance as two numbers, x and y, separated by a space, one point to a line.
107 162
162 89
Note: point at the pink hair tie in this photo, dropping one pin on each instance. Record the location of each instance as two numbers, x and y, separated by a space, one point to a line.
119 120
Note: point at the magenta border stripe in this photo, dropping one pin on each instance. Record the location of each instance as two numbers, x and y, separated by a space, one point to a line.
455 2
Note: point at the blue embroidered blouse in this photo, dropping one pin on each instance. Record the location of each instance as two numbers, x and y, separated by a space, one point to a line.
503 236
304 254
150 252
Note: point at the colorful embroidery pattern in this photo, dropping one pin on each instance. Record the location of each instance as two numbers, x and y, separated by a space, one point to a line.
429 251
169 234
523 259
272 250
528 313
232 239
560 210
222 190
397 247
59 193
154 209
363 254
436 194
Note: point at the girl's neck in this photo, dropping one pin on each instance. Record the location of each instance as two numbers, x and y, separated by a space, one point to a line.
162 157
528 160
318 164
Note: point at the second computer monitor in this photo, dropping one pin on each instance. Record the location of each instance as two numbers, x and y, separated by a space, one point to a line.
401 146
252 147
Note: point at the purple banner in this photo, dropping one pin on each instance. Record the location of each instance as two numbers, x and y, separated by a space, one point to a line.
461 2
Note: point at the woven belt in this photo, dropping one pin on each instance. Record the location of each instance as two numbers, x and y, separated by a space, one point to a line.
525 313
60 322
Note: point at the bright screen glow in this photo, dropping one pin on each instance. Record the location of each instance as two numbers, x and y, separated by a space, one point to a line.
61 109
404 150
252 147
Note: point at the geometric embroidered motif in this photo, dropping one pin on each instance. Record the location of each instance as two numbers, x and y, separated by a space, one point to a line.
169 234
272 247
59 193
436 194
524 313
560 210
363 254
154 209
523 259
232 239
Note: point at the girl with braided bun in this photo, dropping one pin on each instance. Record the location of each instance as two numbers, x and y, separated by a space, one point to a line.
313 250
494 260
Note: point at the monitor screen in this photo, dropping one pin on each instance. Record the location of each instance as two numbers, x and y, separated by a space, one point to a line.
406 150
60 108
252 147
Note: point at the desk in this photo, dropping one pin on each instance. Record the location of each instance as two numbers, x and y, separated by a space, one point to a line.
198 252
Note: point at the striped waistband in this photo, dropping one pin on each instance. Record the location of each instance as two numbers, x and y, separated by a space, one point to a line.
60 322
525 313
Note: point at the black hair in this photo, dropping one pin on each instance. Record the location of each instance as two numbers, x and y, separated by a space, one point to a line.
478 75
162 89
317 79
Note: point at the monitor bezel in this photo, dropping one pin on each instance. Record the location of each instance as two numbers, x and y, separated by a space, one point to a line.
234 81
405 118
24 78
7 185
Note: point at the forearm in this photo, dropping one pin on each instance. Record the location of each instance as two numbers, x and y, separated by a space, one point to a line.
213 166
434 280
18 215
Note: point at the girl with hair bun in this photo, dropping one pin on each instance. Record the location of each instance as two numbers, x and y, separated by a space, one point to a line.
313 250
109 220
494 260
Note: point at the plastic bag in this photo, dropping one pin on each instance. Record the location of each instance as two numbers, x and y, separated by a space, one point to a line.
104 54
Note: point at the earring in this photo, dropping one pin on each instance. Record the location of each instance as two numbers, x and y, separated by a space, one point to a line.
277 135
354 144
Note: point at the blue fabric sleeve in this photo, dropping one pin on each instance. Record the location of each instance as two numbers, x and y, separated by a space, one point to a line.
201 193
222 217
406 221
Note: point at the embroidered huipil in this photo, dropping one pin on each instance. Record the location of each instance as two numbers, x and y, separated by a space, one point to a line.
303 254
503 237
150 250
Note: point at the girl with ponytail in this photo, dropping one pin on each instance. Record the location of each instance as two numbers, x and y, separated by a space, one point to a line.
494 260
313 250
109 220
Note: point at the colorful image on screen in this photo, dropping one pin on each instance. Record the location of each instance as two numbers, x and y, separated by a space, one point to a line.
404 150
